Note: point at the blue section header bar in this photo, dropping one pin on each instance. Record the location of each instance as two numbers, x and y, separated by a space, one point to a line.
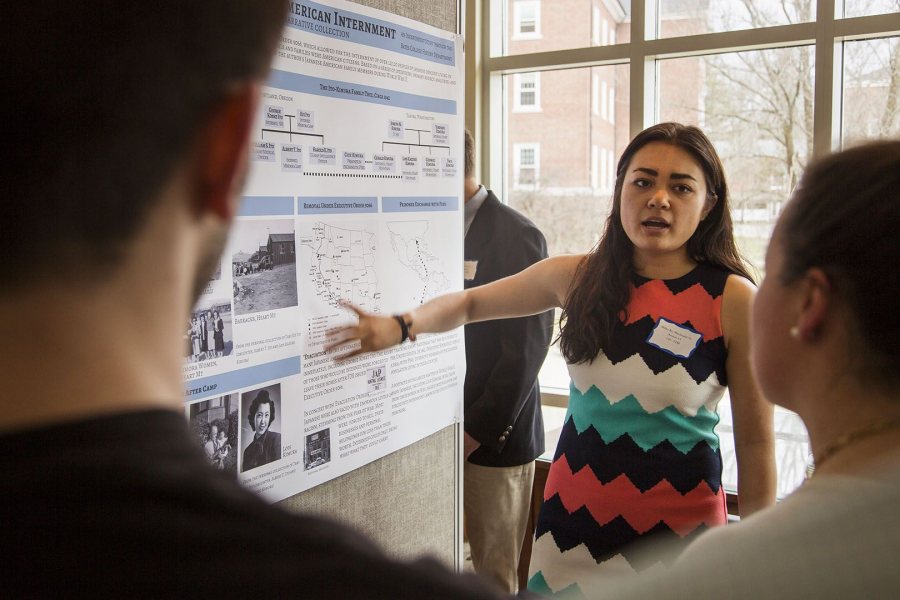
257 206
224 383
362 93
369 31
420 204
330 205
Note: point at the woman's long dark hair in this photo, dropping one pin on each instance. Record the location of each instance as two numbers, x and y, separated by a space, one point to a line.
602 284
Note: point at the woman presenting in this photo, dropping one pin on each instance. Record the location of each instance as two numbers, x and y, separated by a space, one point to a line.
654 328
825 327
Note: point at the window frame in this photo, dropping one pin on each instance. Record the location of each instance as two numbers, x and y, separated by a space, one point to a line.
825 33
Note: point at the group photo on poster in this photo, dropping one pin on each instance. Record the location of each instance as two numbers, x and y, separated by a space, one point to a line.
264 265
208 334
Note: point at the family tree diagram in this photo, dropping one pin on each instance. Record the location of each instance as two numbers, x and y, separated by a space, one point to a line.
275 123
410 245
399 151
342 265
437 135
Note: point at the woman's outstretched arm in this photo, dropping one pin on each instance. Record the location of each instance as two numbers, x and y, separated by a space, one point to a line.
540 287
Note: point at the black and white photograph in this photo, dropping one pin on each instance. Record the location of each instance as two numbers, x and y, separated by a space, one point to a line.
317 451
377 378
208 333
214 422
261 424
264 265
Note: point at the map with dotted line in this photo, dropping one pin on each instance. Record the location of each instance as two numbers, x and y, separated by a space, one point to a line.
410 245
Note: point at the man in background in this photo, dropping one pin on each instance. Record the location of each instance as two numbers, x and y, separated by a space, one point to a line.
504 431
127 130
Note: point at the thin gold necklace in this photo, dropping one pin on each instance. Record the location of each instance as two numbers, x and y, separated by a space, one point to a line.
855 436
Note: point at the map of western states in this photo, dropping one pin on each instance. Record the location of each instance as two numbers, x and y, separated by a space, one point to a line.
342 265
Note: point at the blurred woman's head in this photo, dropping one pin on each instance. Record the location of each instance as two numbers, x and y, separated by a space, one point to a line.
832 273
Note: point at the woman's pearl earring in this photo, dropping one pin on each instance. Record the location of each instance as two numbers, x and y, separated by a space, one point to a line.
795 332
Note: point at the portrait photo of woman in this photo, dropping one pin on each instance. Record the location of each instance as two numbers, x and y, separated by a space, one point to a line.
261 444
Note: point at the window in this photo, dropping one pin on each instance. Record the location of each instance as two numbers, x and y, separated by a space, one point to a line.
690 17
604 175
870 106
612 104
570 201
571 24
603 100
527 92
760 133
527 164
767 110
611 171
862 8
527 15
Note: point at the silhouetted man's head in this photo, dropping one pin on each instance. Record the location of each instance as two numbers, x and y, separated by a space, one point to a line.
103 101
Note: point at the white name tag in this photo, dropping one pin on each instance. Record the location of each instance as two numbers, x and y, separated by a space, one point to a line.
470 267
674 339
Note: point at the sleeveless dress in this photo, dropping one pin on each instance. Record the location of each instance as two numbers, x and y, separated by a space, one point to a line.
638 459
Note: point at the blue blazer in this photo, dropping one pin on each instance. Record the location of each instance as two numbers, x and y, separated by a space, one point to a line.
503 357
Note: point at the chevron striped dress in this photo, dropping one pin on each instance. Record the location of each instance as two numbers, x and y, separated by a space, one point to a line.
638 459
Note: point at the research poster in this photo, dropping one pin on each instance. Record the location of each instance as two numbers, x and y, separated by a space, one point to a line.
354 194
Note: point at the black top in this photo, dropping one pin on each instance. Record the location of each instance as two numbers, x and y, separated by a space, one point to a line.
127 505
503 357
262 450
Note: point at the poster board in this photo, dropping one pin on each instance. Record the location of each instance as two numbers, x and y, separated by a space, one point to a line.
348 198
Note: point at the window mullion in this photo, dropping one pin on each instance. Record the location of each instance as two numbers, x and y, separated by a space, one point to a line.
828 72
642 78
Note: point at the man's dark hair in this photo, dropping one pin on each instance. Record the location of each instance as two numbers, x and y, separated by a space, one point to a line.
102 99
469 157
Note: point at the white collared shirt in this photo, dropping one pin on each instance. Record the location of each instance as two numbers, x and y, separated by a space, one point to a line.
472 206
